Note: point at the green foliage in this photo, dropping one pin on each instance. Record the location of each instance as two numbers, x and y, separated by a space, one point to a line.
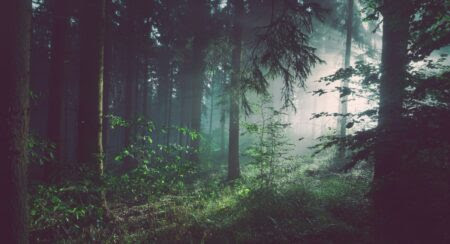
272 148
61 211
312 210
161 169
40 151
117 121
429 24
425 112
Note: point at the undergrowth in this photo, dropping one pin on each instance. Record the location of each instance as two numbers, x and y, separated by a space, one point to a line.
319 209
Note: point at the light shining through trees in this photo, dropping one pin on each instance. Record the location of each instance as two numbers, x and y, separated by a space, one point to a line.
224 121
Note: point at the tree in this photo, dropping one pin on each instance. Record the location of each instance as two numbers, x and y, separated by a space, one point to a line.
107 71
15 27
236 42
388 151
90 145
57 78
278 34
200 13
130 28
342 125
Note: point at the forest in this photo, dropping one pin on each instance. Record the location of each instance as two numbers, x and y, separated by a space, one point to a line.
225 121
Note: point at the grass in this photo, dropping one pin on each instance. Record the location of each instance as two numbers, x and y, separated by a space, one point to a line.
311 209
332 209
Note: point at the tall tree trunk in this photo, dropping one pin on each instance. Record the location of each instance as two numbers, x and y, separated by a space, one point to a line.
15 29
233 141
131 65
197 92
90 144
184 85
169 112
224 103
162 94
222 130
107 72
211 106
146 97
388 153
57 79
200 16
343 105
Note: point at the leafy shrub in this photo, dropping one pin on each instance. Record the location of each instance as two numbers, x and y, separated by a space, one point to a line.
61 211
161 169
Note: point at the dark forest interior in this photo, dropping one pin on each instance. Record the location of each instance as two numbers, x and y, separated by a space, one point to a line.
225 121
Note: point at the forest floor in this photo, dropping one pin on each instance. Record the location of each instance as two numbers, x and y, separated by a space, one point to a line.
294 208
320 209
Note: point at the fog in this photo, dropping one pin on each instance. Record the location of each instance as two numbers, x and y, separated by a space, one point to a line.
304 130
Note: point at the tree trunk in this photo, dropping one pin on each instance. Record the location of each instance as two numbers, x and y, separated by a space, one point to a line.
388 205
169 112
146 98
90 144
184 89
107 73
15 27
211 107
222 130
57 79
131 65
344 100
200 15
162 94
233 141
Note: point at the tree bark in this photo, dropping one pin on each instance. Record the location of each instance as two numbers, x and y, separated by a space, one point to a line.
162 93
90 144
131 65
233 141
15 29
388 152
343 105
200 15
169 112
211 106
57 78
107 72
222 130
185 82
146 98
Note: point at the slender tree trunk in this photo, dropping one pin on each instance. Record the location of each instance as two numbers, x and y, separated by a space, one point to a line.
343 105
211 107
162 94
129 84
90 144
146 98
222 130
130 80
57 78
15 29
200 43
137 82
387 192
199 55
223 111
169 112
233 141
183 91
107 72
